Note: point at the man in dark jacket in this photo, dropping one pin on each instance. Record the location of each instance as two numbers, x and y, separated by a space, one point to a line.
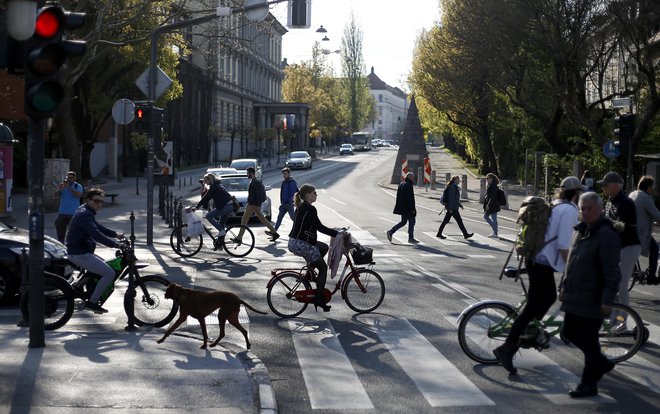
256 197
405 206
81 240
591 284
287 191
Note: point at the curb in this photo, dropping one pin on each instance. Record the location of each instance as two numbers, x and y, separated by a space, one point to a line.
262 388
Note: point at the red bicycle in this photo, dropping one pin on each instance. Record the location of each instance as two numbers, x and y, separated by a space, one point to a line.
363 290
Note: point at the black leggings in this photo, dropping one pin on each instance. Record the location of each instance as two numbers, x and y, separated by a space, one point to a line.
321 267
541 295
457 216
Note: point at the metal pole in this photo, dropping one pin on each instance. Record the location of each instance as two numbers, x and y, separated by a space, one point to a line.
36 130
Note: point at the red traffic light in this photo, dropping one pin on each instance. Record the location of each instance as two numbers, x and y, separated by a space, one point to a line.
49 22
139 113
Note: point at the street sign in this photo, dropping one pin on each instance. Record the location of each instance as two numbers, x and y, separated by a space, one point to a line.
259 12
123 111
610 150
162 82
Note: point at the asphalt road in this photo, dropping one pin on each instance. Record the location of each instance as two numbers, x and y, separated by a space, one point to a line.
405 356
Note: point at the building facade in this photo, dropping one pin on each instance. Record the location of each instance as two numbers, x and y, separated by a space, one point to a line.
391 109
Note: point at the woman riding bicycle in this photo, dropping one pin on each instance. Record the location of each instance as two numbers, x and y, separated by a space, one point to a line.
302 239
222 201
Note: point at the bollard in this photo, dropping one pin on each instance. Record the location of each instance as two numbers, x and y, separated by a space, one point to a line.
170 211
433 183
132 238
168 206
529 190
179 183
420 177
482 190
464 188
505 188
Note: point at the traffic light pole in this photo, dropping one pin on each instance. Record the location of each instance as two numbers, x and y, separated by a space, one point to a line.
36 131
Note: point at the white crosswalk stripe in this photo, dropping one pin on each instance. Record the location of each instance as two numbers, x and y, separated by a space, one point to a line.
449 241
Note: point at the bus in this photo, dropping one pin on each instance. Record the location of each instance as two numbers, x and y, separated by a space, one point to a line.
361 141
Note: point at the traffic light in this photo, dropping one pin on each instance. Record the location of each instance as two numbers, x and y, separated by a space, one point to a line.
141 119
299 14
624 129
44 55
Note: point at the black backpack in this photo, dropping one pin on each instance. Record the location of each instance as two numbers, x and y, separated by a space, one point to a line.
501 197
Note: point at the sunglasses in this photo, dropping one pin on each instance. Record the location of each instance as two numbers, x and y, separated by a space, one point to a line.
97 201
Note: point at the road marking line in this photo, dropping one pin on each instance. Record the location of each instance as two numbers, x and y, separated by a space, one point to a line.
439 381
339 202
449 241
480 256
331 381
459 287
439 255
488 241
443 287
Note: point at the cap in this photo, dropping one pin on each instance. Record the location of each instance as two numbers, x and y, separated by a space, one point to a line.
611 178
572 183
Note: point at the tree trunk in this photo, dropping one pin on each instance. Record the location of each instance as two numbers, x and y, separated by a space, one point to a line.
69 142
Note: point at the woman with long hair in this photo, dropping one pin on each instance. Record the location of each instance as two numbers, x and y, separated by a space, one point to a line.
453 198
302 239
492 202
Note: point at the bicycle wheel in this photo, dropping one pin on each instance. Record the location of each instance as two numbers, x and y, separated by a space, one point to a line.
364 291
149 304
237 248
58 302
637 275
280 295
484 328
621 334
184 245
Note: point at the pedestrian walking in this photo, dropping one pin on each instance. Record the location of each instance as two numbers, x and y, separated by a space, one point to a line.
405 207
542 267
647 214
492 202
288 189
69 192
623 213
589 288
223 202
451 199
256 197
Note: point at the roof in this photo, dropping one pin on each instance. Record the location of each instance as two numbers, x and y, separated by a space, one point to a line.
375 83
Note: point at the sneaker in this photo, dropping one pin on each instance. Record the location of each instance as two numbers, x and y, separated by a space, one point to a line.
467 236
389 235
275 236
584 390
95 307
493 235
505 353
413 240
441 236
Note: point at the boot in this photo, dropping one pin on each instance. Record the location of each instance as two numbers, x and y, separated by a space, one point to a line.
319 302
505 353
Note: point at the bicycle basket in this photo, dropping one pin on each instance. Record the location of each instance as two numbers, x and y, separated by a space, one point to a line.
362 255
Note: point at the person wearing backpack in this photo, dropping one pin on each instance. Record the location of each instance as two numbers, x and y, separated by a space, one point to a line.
256 197
623 213
451 199
543 263
492 203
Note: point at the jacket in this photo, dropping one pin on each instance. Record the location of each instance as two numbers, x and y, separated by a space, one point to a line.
256 191
307 224
492 198
647 213
84 229
592 270
218 194
622 208
453 198
288 189
405 199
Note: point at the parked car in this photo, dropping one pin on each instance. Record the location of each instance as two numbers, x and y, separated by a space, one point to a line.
12 242
346 149
299 159
237 185
218 171
242 164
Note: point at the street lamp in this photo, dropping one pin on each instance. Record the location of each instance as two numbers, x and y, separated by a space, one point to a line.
321 30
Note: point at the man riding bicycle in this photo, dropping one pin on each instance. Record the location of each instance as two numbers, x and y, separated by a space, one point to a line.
81 240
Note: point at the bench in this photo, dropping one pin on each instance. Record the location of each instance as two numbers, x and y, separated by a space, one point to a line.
112 197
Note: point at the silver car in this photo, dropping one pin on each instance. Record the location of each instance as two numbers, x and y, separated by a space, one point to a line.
237 185
299 159
242 164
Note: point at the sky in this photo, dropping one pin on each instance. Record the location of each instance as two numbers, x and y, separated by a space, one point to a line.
390 29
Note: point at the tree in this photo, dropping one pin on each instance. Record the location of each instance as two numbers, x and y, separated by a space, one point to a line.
360 104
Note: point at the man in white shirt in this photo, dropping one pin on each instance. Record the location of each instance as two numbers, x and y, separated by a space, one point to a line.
542 291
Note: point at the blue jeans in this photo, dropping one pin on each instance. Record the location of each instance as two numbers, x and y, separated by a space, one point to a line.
223 212
285 208
411 225
491 219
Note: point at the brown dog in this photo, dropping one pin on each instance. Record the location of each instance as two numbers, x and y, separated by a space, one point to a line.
200 304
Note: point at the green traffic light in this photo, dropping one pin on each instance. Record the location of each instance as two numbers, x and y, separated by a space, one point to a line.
44 96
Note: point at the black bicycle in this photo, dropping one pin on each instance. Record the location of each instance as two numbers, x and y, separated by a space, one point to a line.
186 245
144 301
